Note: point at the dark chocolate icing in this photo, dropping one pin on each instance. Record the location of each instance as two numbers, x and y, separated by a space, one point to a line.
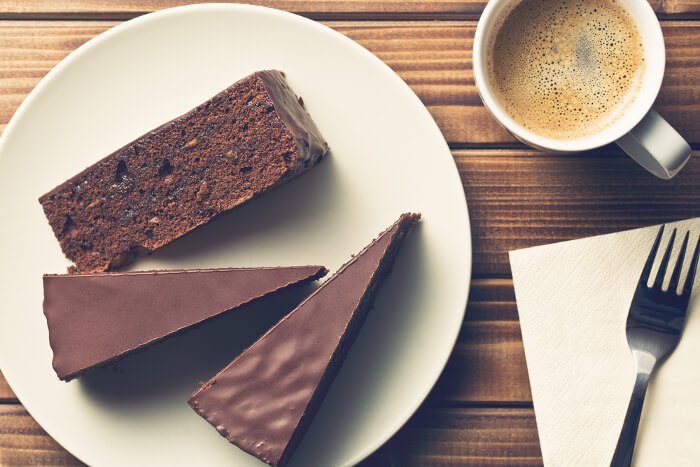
96 318
312 146
264 399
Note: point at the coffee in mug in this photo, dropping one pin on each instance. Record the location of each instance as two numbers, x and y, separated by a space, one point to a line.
565 69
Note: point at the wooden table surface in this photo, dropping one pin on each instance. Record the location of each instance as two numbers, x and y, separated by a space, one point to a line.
480 412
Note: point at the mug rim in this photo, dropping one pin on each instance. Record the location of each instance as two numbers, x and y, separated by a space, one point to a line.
642 104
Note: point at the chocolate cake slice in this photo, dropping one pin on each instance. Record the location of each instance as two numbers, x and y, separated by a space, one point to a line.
239 144
264 400
95 319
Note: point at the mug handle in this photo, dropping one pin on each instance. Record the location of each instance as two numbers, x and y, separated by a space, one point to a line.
656 146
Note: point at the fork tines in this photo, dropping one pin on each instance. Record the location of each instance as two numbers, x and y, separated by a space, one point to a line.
675 276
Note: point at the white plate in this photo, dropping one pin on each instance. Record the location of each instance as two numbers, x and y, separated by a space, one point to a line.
388 157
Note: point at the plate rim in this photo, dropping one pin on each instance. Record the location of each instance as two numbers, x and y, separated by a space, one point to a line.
306 22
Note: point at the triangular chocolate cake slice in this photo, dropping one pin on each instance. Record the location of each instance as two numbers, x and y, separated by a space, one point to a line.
264 400
95 319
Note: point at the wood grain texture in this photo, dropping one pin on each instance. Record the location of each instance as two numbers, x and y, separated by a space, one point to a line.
23 442
434 58
436 436
357 9
317 9
519 199
6 394
463 437
487 364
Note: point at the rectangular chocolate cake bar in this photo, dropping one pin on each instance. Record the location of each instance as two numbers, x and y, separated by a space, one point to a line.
239 144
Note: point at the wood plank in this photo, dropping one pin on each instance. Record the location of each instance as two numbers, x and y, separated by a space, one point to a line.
24 442
433 437
326 9
487 364
464 437
519 199
6 394
492 290
433 58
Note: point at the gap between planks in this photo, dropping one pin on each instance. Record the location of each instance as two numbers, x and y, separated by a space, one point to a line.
315 9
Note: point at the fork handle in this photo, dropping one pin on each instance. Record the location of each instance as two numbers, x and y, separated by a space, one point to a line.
628 436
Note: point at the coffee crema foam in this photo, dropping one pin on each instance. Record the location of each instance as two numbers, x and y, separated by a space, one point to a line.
566 69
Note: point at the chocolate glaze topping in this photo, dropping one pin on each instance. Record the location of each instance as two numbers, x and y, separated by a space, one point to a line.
312 146
94 319
264 400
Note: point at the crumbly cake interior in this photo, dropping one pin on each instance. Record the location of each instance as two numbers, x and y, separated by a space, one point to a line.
175 178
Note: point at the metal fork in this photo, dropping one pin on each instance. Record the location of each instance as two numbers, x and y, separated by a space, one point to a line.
654 327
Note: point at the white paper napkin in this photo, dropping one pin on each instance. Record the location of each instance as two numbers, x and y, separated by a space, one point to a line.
573 298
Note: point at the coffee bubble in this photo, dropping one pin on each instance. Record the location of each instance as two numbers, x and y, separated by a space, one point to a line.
566 69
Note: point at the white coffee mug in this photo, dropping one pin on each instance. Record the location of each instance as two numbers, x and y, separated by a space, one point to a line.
640 131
